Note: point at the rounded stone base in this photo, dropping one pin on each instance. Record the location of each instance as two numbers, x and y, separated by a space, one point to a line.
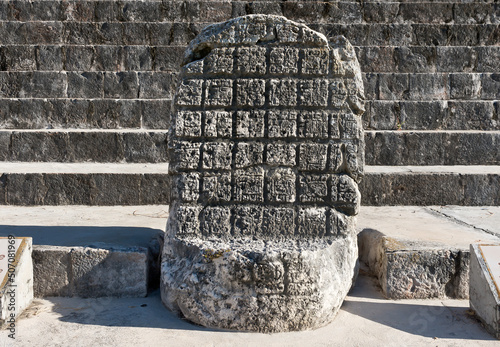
258 285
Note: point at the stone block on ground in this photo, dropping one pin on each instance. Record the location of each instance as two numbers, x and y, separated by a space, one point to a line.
418 252
485 285
16 279
261 232
90 272
91 251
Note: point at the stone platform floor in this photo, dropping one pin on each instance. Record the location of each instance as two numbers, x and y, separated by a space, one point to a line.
365 319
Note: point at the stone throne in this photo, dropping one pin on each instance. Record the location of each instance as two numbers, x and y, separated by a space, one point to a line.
266 149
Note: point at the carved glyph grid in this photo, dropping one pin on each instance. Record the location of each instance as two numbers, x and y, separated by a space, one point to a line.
266 143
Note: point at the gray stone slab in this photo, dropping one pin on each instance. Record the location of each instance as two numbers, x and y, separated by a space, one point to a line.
91 252
433 147
485 284
417 253
90 272
82 146
431 185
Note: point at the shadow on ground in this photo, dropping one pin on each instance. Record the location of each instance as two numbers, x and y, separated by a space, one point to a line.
146 312
439 319
72 236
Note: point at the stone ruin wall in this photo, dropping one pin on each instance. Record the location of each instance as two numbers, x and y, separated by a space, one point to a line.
430 67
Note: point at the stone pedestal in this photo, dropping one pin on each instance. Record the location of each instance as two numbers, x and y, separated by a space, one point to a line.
257 285
266 150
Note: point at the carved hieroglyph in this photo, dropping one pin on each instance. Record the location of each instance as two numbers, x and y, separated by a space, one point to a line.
266 150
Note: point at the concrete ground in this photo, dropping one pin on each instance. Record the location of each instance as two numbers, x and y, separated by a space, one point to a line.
366 318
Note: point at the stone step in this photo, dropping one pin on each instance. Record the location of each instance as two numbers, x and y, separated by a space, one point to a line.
52 93
83 184
345 12
383 147
432 115
431 185
143 184
441 147
21 57
431 87
382 56
176 32
88 85
426 49
423 252
84 113
402 57
70 145
156 114
91 251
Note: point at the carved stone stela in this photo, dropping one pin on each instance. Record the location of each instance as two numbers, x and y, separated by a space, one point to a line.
266 150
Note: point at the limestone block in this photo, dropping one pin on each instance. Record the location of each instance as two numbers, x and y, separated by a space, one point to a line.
410 269
261 232
283 60
250 123
282 154
216 187
90 272
484 285
218 92
218 124
121 85
4 145
50 58
248 154
16 279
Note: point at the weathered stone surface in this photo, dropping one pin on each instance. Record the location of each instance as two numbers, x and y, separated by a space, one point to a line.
431 185
414 270
423 252
434 147
258 285
72 146
267 148
484 279
90 272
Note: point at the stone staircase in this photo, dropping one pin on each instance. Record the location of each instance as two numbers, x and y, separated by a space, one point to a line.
86 92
